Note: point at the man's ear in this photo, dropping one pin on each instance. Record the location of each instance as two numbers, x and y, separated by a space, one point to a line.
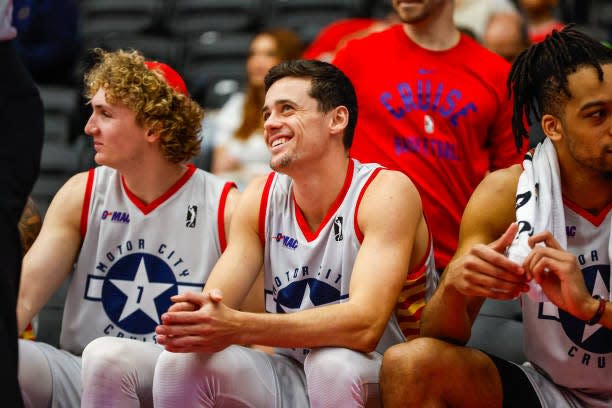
339 119
552 127
152 135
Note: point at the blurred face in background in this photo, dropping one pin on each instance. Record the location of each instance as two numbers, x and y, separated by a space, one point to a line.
416 11
537 7
263 55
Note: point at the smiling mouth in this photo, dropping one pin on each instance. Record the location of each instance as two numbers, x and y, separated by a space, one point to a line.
279 141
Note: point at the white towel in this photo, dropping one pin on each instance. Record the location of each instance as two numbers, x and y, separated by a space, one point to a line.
539 207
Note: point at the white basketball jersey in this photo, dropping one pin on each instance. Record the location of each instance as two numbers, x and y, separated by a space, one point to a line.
136 256
572 353
306 269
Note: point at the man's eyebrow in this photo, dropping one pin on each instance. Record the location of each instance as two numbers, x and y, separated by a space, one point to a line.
100 105
278 102
595 103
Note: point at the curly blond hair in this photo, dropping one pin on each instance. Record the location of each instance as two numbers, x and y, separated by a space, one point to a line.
126 79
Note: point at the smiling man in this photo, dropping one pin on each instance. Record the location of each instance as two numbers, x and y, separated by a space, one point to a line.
140 227
552 217
339 242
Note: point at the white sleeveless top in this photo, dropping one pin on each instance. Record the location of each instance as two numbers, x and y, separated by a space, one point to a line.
572 353
134 256
306 269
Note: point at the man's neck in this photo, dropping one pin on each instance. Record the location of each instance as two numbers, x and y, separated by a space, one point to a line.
436 33
151 181
316 191
590 190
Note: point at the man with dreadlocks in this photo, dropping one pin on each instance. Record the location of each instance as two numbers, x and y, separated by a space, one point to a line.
541 232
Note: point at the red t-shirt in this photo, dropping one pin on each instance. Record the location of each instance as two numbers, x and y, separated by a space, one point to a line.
441 117
330 37
539 34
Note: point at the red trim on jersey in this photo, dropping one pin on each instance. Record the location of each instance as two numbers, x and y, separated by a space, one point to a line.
263 207
596 220
86 202
308 233
221 213
429 251
147 208
361 193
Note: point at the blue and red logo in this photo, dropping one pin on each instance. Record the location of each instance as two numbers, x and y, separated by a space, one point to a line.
286 240
116 216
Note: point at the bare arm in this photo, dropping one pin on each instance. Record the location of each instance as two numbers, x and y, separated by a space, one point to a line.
51 257
254 300
391 207
479 268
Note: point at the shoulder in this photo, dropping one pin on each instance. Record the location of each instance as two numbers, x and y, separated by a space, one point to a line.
75 185
68 201
497 187
390 193
502 181
252 195
392 182
491 208
357 46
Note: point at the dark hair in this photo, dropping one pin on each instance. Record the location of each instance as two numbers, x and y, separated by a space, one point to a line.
538 78
328 85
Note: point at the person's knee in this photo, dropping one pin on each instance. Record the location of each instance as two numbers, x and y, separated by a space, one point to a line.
107 356
180 374
329 370
414 360
172 368
331 364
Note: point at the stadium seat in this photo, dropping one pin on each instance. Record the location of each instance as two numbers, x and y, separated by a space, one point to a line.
100 17
60 109
192 18
498 330
214 57
308 17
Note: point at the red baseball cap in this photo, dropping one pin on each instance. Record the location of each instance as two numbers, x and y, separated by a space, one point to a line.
172 77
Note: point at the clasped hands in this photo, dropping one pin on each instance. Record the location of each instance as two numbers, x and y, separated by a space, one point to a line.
197 322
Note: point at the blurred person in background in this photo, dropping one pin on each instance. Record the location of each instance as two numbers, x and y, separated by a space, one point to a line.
506 35
48 39
472 16
335 35
541 18
240 152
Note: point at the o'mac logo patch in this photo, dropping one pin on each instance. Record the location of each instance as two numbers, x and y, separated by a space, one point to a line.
286 240
116 216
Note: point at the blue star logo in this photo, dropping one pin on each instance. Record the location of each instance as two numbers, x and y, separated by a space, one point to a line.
136 291
596 338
